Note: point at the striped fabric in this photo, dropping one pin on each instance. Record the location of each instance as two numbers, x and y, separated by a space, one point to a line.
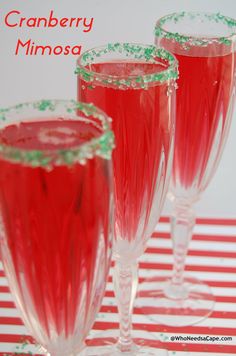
212 258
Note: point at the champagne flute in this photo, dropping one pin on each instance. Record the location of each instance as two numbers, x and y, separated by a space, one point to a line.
204 44
55 212
135 85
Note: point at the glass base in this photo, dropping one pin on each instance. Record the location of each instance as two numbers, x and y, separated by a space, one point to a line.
105 344
174 305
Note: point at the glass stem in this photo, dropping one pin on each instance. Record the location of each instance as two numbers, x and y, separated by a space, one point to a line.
182 224
125 286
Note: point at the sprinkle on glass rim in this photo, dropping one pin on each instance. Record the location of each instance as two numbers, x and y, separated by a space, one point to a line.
101 146
146 53
192 40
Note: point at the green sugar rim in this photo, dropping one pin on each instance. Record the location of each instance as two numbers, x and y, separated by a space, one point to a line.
147 53
101 146
194 40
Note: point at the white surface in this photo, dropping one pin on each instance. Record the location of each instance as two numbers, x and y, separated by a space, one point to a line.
24 78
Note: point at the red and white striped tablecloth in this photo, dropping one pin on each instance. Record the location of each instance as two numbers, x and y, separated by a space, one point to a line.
212 258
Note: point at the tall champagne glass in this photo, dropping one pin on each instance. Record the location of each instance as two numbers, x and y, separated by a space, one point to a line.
204 45
55 209
135 84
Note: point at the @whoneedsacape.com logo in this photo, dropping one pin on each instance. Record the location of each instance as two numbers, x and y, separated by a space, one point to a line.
14 19
201 338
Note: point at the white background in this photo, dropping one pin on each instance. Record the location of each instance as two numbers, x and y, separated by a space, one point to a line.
24 78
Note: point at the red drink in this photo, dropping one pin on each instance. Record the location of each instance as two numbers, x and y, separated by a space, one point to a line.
202 105
204 101
142 127
56 229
